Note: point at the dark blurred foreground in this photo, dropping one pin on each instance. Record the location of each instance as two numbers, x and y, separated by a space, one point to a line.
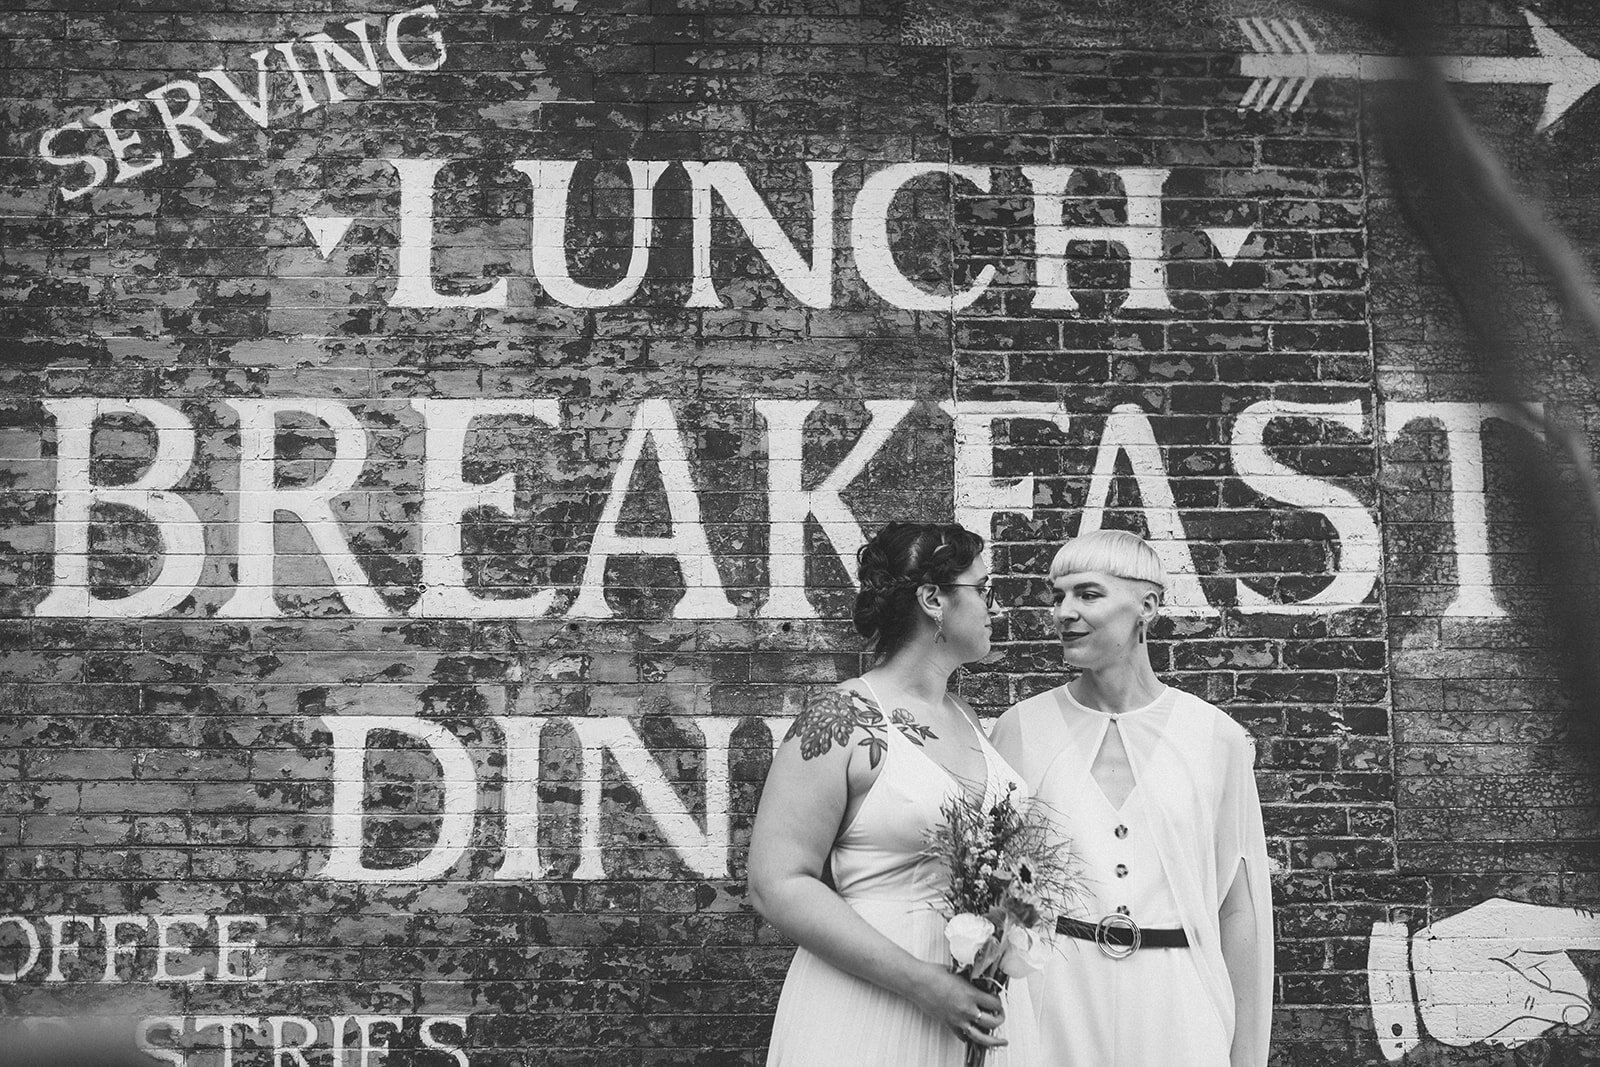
69 1047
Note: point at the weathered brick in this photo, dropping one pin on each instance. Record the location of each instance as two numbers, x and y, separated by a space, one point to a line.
1412 762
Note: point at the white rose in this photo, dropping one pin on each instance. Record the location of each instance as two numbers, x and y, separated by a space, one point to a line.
967 935
1025 953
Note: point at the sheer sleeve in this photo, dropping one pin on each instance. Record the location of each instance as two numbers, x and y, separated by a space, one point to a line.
1244 890
1006 737
1016 738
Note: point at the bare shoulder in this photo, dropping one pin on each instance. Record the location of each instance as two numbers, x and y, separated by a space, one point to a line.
832 717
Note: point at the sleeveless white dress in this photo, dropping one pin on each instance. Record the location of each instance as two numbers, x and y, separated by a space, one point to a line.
828 1018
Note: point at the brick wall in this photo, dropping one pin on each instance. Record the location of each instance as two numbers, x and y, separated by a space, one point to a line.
317 436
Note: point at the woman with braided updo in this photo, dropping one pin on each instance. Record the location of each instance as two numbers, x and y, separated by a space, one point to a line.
836 858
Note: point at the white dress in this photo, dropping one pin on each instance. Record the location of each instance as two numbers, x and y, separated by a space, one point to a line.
1166 857
828 1018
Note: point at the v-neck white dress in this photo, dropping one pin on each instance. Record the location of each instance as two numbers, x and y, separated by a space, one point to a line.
828 1018
1166 857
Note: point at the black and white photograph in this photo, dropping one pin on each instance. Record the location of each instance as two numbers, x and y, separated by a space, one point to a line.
800 533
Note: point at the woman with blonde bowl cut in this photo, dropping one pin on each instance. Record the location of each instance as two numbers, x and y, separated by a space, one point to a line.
1167 957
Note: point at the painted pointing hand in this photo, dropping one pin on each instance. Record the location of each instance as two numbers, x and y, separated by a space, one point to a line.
1498 973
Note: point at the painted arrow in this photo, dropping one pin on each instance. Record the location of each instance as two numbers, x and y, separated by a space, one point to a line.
1286 64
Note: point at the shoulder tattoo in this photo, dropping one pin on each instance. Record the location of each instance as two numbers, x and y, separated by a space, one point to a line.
833 718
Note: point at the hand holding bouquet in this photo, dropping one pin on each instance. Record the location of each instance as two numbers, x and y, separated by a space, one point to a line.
1009 877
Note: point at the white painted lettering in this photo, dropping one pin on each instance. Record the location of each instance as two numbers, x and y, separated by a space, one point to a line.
456 1052
811 284
1360 547
328 51
1128 432
282 1046
97 166
869 238
460 781
705 852
120 143
392 39
228 944
260 500
552 187
414 281
979 496
1140 237
182 535
173 1024
61 945
115 948
255 110
189 116
1462 422
34 947
308 99
165 949
227 1026
788 505
523 859
447 496
703 596
366 1026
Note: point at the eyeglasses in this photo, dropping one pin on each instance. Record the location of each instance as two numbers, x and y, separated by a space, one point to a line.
987 590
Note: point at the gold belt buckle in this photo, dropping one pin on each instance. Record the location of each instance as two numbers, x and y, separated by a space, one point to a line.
1110 949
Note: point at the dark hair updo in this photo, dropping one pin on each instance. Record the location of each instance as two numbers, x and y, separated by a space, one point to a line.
900 558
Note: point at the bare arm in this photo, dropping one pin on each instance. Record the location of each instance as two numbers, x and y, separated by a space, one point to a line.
1241 954
1245 913
816 770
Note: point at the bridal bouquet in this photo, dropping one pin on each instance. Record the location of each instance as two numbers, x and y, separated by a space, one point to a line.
1009 877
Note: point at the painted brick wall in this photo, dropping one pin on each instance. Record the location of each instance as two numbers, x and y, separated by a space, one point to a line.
320 689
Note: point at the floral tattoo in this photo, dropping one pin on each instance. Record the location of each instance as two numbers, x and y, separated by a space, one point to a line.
909 726
832 719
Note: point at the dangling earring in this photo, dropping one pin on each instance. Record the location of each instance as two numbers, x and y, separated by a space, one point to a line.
1141 631
938 626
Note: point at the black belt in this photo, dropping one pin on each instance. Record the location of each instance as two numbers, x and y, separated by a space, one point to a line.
1118 936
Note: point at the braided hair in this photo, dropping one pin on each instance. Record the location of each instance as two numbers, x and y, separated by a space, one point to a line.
900 559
